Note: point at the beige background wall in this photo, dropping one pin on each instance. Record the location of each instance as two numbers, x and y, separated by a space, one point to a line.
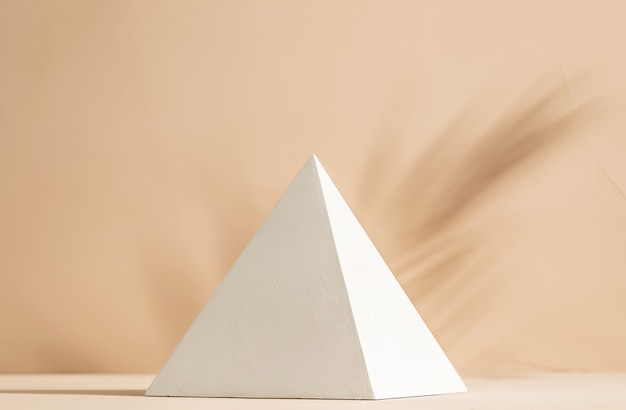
482 145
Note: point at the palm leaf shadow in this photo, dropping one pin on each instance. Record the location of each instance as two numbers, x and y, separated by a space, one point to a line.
427 208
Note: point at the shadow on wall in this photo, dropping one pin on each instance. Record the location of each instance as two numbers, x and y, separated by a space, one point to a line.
461 168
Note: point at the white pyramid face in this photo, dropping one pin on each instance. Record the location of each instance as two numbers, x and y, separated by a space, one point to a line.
308 310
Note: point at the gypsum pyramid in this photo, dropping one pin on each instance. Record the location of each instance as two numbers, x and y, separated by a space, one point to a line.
308 310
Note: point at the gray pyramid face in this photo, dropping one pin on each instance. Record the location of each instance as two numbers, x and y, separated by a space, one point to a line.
308 310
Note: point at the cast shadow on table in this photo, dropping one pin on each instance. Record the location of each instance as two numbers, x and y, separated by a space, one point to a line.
85 392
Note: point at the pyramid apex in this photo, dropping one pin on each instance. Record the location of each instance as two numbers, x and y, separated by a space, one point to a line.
313 159
315 162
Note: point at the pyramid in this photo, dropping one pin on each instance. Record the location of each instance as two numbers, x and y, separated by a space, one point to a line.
308 310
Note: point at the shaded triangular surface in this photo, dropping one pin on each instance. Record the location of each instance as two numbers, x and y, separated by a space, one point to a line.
308 310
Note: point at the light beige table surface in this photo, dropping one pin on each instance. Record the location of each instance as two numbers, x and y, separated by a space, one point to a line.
547 391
